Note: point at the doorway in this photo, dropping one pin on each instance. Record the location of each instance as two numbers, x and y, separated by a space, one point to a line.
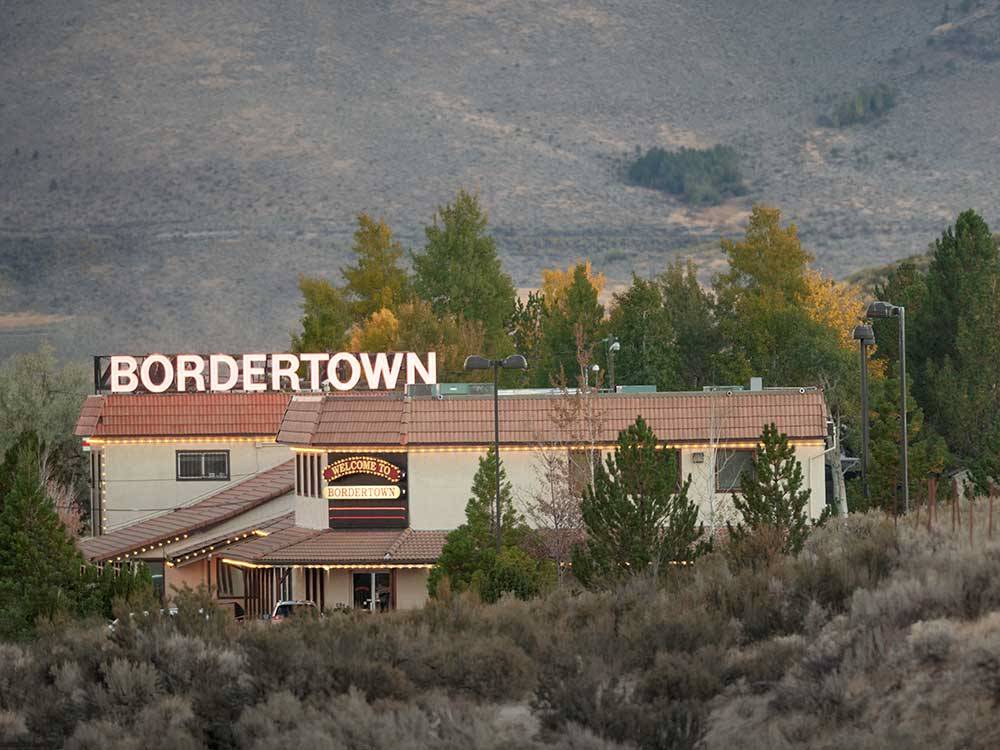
372 591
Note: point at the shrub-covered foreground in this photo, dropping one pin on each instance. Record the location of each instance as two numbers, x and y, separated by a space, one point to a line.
874 636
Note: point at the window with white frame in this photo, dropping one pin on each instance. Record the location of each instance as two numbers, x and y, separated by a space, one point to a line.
730 468
202 466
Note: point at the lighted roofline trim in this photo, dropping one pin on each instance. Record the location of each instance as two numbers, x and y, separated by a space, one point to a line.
330 566
152 440
525 447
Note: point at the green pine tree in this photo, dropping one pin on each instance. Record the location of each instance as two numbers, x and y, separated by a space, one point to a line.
636 518
459 271
957 344
927 451
771 494
469 558
40 567
649 353
326 317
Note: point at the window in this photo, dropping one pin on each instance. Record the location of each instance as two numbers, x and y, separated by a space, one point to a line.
230 580
156 573
730 466
202 465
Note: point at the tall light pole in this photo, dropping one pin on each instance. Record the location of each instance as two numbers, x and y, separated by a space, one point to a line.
513 362
879 310
866 336
614 346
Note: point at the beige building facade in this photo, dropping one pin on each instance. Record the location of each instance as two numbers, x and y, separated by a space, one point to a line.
346 500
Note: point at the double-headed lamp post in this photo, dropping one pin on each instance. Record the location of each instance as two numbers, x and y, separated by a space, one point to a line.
866 336
513 362
878 310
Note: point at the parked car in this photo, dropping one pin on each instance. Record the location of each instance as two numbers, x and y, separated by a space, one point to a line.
284 610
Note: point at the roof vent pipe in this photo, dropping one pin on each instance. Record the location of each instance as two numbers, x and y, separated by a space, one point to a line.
756 384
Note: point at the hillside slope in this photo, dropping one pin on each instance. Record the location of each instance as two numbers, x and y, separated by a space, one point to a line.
167 169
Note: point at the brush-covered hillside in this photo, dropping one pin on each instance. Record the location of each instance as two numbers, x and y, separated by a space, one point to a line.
168 169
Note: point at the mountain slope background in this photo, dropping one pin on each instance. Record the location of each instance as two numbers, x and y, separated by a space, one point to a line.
168 169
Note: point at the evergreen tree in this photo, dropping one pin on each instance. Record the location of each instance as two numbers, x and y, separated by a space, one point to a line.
526 331
635 516
326 318
577 317
459 271
690 311
469 558
771 494
649 351
376 281
40 566
964 264
957 342
927 451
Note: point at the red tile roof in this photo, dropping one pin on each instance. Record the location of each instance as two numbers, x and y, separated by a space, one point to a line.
298 546
202 515
528 420
182 415
223 543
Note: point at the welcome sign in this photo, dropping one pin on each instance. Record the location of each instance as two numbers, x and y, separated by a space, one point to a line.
367 491
342 371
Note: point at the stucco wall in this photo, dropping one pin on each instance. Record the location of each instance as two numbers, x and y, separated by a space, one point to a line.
194 575
411 588
719 505
440 483
142 478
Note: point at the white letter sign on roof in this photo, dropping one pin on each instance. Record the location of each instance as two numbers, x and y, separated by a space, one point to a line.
158 373
123 367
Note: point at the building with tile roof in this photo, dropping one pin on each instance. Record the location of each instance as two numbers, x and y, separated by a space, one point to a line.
347 500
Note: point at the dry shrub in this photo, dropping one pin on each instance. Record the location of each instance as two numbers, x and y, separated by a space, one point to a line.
12 727
678 676
932 641
763 664
488 667
759 548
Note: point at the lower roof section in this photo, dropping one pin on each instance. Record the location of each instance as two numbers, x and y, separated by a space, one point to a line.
338 548
179 524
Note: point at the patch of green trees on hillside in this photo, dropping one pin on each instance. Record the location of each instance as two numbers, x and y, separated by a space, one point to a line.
699 176
865 105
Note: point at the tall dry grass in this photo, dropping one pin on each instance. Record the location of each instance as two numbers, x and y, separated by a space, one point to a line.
879 634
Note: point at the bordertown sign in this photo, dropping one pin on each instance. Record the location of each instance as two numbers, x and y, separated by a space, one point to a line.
343 371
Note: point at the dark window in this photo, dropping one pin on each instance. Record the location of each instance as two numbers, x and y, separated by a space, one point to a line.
230 580
156 573
202 465
730 466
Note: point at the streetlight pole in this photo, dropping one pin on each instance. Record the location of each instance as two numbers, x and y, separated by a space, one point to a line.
902 408
513 362
880 309
613 346
865 336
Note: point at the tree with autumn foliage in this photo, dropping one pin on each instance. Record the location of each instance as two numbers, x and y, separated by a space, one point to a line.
415 327
573 318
